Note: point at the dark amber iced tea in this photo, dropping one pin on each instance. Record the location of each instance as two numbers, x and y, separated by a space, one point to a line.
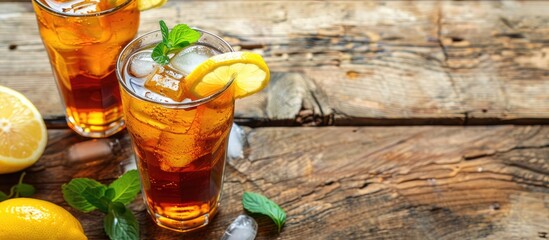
83 39
180 146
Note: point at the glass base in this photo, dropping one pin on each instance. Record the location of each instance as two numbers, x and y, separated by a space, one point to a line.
182 225
94 131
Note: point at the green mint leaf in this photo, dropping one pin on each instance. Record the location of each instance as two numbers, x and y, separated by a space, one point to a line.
179 37
24 190
96 197
257 203
126 187
120 223
3 196
72 193
159 54
110 193
182 36
165 32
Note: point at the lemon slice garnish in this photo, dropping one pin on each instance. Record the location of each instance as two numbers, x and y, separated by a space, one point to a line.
249 70
148 4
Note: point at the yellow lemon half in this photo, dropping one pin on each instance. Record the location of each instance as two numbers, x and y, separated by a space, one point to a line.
23 135
249 70
27 218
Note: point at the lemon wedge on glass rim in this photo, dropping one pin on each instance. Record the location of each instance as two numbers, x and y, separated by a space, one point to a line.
23 134
143 5
249 70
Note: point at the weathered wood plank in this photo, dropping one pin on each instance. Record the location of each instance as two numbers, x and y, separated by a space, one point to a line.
361 183
359 63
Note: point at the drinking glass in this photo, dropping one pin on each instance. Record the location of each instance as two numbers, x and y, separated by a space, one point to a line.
83 39
180 147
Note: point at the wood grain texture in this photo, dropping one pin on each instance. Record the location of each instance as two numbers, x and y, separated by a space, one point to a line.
359 183
359 63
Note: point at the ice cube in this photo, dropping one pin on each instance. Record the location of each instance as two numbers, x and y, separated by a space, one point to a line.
158 98
138 88
171 72
242 228
164 81
83 7
236 142
141 64
177 150
189 58
80 31
74 6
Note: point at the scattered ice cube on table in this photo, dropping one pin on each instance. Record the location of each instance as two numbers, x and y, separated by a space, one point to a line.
242 228
164 81
236 142
141 64
189 58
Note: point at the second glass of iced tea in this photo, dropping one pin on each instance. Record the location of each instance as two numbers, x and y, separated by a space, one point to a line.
83 39
180 146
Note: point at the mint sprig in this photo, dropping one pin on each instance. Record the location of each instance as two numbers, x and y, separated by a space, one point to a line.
179 37
257 203
19 190
120 222
87 195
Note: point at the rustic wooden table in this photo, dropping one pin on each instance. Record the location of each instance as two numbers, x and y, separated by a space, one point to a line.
436 114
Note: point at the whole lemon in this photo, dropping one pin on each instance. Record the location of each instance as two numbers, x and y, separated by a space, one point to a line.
27 218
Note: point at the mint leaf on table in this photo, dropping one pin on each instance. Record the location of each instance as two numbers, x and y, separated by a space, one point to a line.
3 196
179 37
257 203
126 187
72 193
110 193
87 195
19 190
23 190
96 197
120 223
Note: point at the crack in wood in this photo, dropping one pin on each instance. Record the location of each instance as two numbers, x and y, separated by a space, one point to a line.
242 174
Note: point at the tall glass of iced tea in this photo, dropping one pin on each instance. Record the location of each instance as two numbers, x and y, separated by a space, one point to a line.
83 39
180 145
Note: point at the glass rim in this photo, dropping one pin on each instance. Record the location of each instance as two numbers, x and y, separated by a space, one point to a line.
187 104
97 14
